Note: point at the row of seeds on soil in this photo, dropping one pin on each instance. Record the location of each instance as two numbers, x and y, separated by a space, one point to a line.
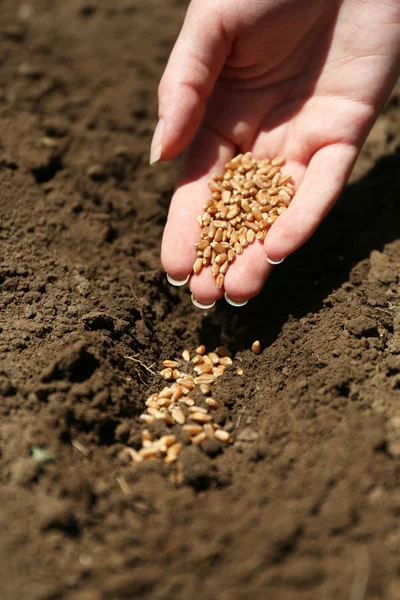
174 405
246 200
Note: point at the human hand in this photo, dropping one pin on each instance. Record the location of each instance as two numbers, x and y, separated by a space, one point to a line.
300 78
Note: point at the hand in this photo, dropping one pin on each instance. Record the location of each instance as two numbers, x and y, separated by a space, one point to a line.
301 78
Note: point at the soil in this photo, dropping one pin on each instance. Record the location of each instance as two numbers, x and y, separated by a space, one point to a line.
305 503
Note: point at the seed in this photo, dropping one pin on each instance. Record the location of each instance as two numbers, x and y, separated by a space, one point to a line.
164 403
173 453
200 417
215 269
188 401
146 418
278 161
154 412
178 415
204 368
167 392
208 430
166 374
167 440
147 453
256 347
200 409
250 236
176 373
177 393
225 361
198 265
219 280
221 258
199 438
186 355
239 371
222 435
185 382
213 404
214 358
231 255
205 388
192 428
218 371
204 379
151 403
197 360
201 349
146 435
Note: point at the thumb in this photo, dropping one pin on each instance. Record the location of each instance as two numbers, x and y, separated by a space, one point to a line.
189 78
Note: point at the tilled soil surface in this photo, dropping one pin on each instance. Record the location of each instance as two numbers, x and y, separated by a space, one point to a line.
305 503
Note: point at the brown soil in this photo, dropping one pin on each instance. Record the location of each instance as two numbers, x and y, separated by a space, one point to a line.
305 504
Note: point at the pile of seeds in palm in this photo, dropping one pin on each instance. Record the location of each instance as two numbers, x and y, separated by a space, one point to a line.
245 202
174 406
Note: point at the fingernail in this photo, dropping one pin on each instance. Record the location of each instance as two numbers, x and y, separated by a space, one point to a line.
156 143
273 262
177 282
234 302
202 306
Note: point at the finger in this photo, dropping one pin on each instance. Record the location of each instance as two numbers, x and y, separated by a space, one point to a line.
325 178
247 275
207 154
192 70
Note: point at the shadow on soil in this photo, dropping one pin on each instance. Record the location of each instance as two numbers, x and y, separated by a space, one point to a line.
366 217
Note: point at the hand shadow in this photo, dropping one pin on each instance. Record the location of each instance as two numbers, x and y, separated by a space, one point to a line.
365 218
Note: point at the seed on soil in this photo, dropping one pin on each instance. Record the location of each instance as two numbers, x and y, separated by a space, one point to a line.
199 438
178 415
205 388
200 417
206 378
201 349
222 435
240 210
166 374
225 361
239 371
186 355
213 404
170 363
173 453
256 347
192 428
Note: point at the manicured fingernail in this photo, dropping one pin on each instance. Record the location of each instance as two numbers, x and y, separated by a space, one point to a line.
234 302
177 282
274 262
156 143
202 306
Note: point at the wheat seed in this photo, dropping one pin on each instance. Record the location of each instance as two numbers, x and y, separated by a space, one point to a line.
186 355
222 435
245 201
256 347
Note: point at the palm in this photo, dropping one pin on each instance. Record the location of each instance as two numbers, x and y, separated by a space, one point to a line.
312 99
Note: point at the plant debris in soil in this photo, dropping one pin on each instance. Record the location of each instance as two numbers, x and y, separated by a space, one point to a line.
305 502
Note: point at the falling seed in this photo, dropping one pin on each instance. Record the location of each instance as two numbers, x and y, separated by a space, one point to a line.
201 349
256 347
